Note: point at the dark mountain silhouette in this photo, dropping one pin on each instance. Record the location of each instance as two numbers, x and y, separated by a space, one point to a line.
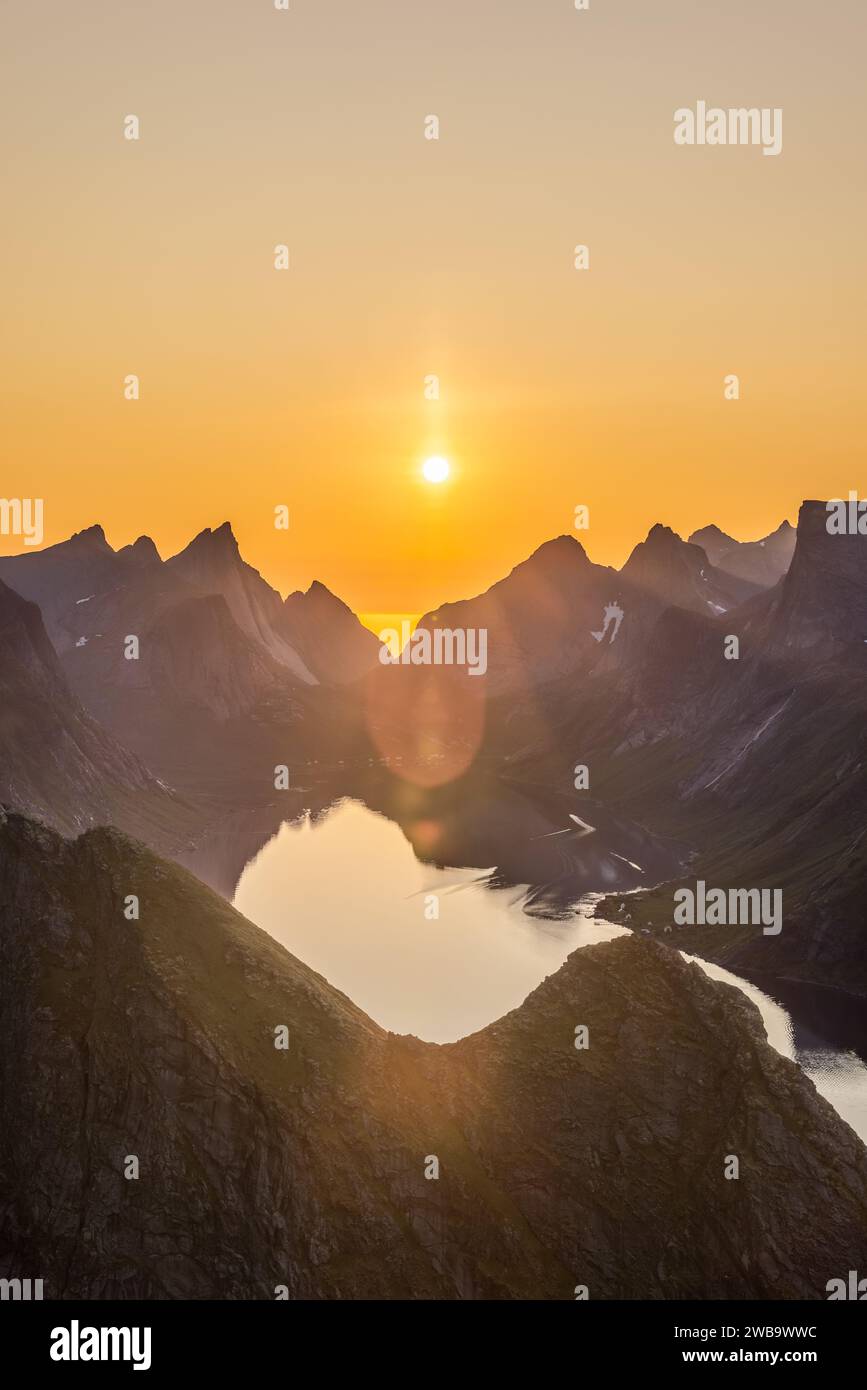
63 578
142 552
680 574
714 542
819 608
198 656
56 761
89 592
212 564
762 562
305 1167
213 675
95 598
760 762
334 645
559 615
556 613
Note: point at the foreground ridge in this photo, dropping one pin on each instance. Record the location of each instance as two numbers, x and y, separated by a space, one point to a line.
303 1168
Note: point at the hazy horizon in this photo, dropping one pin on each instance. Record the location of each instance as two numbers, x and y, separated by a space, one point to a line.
374 619
412 257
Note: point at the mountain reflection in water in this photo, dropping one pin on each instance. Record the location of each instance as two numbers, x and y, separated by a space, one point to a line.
442 923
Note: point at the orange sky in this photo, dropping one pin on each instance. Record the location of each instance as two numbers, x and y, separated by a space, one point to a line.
411 257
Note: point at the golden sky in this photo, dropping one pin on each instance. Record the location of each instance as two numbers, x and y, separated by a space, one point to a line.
411 257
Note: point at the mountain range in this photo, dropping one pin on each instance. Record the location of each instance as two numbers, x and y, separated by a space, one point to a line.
714 695
56 760
157 1143
219 662
762 562
758 762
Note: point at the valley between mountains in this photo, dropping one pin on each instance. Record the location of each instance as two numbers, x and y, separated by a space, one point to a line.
152 1033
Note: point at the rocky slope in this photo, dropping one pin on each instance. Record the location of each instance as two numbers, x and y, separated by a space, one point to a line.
304 1167
760 762
216 696
559 615
64 578
334 645
819 609
680 574
762 562
212 564
56 762
556 614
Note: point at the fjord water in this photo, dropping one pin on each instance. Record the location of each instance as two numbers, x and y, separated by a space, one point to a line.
347 895
345 892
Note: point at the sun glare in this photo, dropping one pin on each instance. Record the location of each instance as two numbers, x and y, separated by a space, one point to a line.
435 469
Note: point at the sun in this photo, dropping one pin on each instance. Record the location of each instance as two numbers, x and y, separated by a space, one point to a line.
435 469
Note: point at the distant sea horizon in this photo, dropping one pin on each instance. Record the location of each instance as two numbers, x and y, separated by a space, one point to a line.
393 622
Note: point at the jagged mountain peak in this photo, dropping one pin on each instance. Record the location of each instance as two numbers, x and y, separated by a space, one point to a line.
558 549
89 540
554 560
317 592
94 535
212 563
664 544
761 562
142 551
335 645
710 534
319 599
219 541
660 534
678 572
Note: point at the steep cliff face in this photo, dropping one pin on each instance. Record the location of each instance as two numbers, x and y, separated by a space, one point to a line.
212 564
193 661
538 619
618 1159
333 643
762 562
56 762
305 1167
557 614
820 608
64 578
209 650
215 698
759 762
679 573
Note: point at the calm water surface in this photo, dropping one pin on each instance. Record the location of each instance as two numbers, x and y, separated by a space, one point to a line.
348 896
345 892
